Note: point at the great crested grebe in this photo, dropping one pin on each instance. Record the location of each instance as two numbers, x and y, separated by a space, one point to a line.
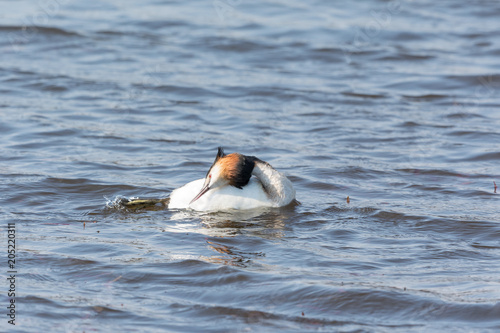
229 185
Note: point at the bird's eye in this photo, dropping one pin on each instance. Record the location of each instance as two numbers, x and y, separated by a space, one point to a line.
209 176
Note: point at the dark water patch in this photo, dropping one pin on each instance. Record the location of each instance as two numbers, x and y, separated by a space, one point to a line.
45 82
185 102
465 229
102 250
17 74
112 33
483 246
397 217
443 173
323 186
426 97
358 172
406 56
463 115
183 90
327 55
410 36
59 133
72 262
483 44
156 25
344 235
410 124
41 300
451 190
487 83
363 95
431 125
173 141
423 88
235 45
352 304
493 156
30 30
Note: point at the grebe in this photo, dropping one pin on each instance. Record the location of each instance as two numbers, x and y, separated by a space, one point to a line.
229 185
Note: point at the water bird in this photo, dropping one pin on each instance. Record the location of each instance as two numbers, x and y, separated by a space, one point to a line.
235 181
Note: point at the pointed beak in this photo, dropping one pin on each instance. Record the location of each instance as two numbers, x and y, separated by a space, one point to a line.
204 190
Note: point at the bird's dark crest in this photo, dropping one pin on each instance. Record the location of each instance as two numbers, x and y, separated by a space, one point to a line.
220 154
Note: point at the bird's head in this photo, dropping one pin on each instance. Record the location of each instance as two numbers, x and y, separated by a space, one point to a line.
233 170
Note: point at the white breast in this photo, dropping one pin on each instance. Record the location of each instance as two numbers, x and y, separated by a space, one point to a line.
227 197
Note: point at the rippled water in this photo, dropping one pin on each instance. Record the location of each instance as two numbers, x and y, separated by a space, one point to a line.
392 103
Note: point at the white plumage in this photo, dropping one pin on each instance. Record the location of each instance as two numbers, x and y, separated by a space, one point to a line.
235 181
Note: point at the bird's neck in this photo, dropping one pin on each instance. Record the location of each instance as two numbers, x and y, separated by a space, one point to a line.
275 184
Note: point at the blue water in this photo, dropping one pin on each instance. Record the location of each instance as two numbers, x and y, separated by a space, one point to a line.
394 104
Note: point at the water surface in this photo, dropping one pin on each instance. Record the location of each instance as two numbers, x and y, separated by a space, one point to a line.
392 103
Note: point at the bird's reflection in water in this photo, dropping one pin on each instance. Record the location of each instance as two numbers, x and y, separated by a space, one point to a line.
230 255
236 238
